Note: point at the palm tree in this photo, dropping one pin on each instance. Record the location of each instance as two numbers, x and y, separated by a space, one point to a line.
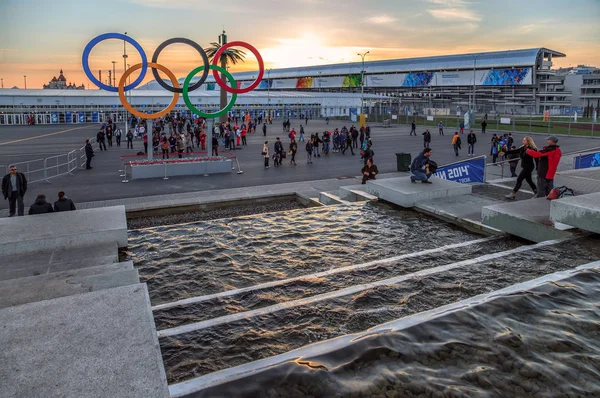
231 56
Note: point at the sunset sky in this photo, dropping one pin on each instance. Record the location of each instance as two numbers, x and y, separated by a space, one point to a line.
39 37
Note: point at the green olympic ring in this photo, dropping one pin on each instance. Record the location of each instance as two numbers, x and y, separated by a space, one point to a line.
195 110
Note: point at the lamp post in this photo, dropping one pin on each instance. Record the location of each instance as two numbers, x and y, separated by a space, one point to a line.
362 81
114 74
2 83
25 79
475 56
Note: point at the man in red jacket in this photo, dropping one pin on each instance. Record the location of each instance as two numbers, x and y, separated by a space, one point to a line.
549 158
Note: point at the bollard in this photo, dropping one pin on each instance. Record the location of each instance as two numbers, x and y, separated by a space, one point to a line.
238 165
165 177
125 180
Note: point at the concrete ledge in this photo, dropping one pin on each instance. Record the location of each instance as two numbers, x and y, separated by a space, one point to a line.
51 231
527 219
99 344
169 207
402 192
52 287
582 212
329 199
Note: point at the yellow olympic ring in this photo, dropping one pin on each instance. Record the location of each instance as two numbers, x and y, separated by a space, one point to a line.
145 115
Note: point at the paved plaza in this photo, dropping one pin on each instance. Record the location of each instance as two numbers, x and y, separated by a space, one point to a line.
103 182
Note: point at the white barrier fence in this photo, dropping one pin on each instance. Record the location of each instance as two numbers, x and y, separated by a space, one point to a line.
43 170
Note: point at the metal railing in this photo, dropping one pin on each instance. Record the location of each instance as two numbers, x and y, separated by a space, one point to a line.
578 154
43 170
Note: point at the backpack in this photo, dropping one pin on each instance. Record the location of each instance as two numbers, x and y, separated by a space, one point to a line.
560 192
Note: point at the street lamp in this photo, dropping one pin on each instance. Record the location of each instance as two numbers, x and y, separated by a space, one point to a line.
25 79
114 74
475 56
362 81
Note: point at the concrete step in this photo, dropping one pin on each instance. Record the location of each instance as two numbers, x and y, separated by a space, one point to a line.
527 219
63 275
356 193
57 260
48 288
402 192
98 344
582 212
20 235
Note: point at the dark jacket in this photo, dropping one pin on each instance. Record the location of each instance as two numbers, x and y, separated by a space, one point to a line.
370 170
278 147
89 151
549 159
419 163
21 185
527 162
40 207
100 136
64 204
471 138
427 136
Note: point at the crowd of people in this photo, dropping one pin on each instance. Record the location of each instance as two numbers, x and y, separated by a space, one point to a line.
320 144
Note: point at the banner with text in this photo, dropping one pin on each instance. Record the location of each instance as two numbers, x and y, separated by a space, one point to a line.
467 172
587 161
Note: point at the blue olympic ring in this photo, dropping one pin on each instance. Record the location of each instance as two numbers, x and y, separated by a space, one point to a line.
86 55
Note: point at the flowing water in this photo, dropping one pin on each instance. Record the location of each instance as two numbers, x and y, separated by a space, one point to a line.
228 292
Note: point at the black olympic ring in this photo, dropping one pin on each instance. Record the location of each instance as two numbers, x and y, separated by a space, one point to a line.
197 47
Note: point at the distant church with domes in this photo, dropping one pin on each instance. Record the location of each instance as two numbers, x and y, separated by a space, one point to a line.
60 83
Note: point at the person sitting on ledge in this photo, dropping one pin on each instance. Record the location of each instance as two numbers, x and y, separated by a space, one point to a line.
63 203
40 206
420 167
369 171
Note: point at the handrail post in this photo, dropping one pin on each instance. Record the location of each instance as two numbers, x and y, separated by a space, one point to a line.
238 165
125 180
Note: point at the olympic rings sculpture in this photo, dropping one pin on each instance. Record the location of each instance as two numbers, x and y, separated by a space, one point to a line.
175 89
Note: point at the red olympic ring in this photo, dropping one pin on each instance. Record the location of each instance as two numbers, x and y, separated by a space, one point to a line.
261 67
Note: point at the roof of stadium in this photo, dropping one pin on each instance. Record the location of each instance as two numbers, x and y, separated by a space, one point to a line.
485 60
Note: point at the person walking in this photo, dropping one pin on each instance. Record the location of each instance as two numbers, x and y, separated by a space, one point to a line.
180 147
461 125
348 144
100 137
215 145
549 158
265 154
89 154
456 143
513 162
426 139
354 133
278 155
109 135
129 137
369 171
164 145
264 130
419 168
441 128
496 149
63 203
527 166
309 151
483 126
293 150
14 186
413 128
301 139
471 141
40 206
145 140
118 136
244 133
316 142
